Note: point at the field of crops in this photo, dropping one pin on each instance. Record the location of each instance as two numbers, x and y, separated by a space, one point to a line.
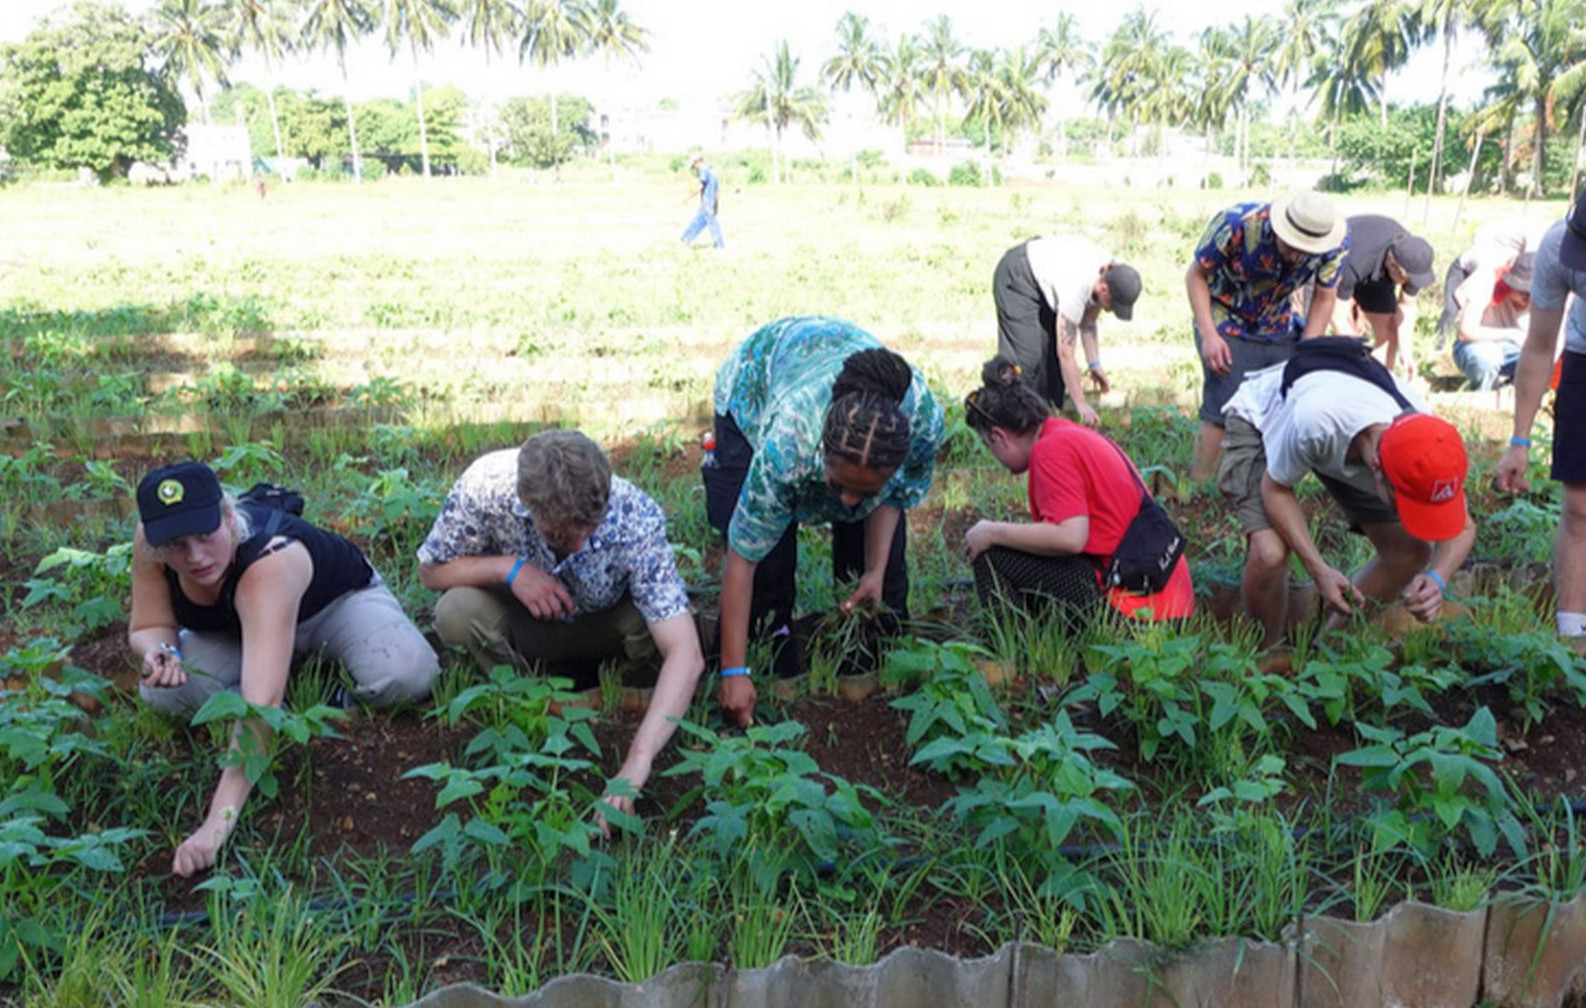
1007 782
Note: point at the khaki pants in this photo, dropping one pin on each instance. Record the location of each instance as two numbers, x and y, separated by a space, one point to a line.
495 629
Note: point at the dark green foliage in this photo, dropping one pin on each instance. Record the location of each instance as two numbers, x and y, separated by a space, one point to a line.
83 91
529 139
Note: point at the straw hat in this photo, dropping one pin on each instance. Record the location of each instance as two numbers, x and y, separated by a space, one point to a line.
1306 220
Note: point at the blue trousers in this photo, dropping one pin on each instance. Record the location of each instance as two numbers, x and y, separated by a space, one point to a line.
1489 363
701 221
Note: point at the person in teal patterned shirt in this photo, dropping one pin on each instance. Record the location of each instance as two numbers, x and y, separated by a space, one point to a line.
816 422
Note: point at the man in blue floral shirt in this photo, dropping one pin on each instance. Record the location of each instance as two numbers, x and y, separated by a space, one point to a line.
545 557
1249 264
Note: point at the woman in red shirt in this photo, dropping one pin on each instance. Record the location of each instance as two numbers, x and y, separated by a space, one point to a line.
1084 493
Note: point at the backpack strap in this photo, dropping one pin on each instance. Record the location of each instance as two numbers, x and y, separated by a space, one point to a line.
1345 354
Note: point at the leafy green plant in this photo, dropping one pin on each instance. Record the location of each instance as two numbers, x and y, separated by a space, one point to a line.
91 585
949 700
1410 810
762 794
256 752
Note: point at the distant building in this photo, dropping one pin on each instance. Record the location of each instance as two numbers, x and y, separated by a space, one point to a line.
218 153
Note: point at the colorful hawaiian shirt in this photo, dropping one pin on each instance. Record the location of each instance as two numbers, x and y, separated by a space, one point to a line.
1250 283
777 386
628 552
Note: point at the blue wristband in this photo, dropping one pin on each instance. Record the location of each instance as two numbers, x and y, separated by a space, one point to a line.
513 572
736 670
1094 365
1437 579
1520 442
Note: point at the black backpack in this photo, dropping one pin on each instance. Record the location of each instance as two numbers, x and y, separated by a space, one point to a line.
279 499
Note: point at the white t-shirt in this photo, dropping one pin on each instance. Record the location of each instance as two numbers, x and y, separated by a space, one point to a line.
1066 268
1312 427
1552 282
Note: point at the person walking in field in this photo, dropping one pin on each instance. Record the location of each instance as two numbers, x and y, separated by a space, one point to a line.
816 422
226 592
1492 324
1049 293
709 201
1248 264
543 556
1560 271
1385 269
1096 535
1396 471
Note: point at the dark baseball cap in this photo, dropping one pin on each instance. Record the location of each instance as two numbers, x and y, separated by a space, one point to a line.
178 500
1415 255
1572 250
1123 283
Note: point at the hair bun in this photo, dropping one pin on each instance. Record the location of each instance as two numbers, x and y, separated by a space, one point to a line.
999 372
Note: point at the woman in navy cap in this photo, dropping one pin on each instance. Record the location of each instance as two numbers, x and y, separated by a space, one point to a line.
225 592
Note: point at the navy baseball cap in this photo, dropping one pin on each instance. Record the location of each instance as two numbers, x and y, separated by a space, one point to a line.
178 500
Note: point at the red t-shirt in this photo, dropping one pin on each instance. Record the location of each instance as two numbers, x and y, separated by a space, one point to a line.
1076 471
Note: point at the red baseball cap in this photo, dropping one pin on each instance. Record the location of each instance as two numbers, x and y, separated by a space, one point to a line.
1423 458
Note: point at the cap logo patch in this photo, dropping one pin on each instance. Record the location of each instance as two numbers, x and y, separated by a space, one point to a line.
170 492
1443 490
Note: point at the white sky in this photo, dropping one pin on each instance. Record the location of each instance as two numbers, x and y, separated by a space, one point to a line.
705 49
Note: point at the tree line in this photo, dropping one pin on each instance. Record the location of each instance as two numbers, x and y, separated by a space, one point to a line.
1332 59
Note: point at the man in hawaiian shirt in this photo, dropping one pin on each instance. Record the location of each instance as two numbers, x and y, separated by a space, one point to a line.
544 556
1248 265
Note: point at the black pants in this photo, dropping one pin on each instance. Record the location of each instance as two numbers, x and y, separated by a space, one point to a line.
1013 578
774 577
1026 325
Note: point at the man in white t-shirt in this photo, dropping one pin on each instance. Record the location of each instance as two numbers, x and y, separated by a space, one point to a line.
1559 271
1049 292
1396 471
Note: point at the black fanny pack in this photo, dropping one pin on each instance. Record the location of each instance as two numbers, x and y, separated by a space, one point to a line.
1150 547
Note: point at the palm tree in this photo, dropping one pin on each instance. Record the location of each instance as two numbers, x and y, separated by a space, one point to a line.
420 23
1250 70
191 37
943 69
1443 18
553 30
903 91
1060 50
1122 78
1213 98
337 24
1536 44
1308 28
265 27
859 60
777 99
487 24
983 91
614 35
1022 102
1377 39
1570 89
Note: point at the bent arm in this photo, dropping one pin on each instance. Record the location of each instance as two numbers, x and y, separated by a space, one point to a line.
1449 556
1066 337
1532 373
466 572
1323 301
1288 521
880 526
152 621
1065 538
737 596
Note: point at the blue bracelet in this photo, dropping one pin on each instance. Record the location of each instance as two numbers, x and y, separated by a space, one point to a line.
1520 442
736 670
1094 365
1437 579
513 572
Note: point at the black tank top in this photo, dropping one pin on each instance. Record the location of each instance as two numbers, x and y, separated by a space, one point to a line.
339 567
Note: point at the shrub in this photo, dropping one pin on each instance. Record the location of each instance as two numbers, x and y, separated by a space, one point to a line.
965 173
923 177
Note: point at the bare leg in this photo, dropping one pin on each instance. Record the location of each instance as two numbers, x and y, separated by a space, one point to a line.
1208 446
1569 551
1266 584
1400 556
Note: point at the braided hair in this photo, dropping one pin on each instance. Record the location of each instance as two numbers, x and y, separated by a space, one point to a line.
1004 400
865 423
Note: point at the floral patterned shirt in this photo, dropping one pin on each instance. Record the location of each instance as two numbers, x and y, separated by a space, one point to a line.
1251 285
777 386
628 552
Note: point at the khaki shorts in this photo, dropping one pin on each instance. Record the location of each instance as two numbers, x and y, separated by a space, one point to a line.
1245 462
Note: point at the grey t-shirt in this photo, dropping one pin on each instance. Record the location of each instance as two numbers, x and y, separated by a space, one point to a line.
1552 282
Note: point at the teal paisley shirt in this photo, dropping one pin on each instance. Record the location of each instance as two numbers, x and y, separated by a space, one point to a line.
777 386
